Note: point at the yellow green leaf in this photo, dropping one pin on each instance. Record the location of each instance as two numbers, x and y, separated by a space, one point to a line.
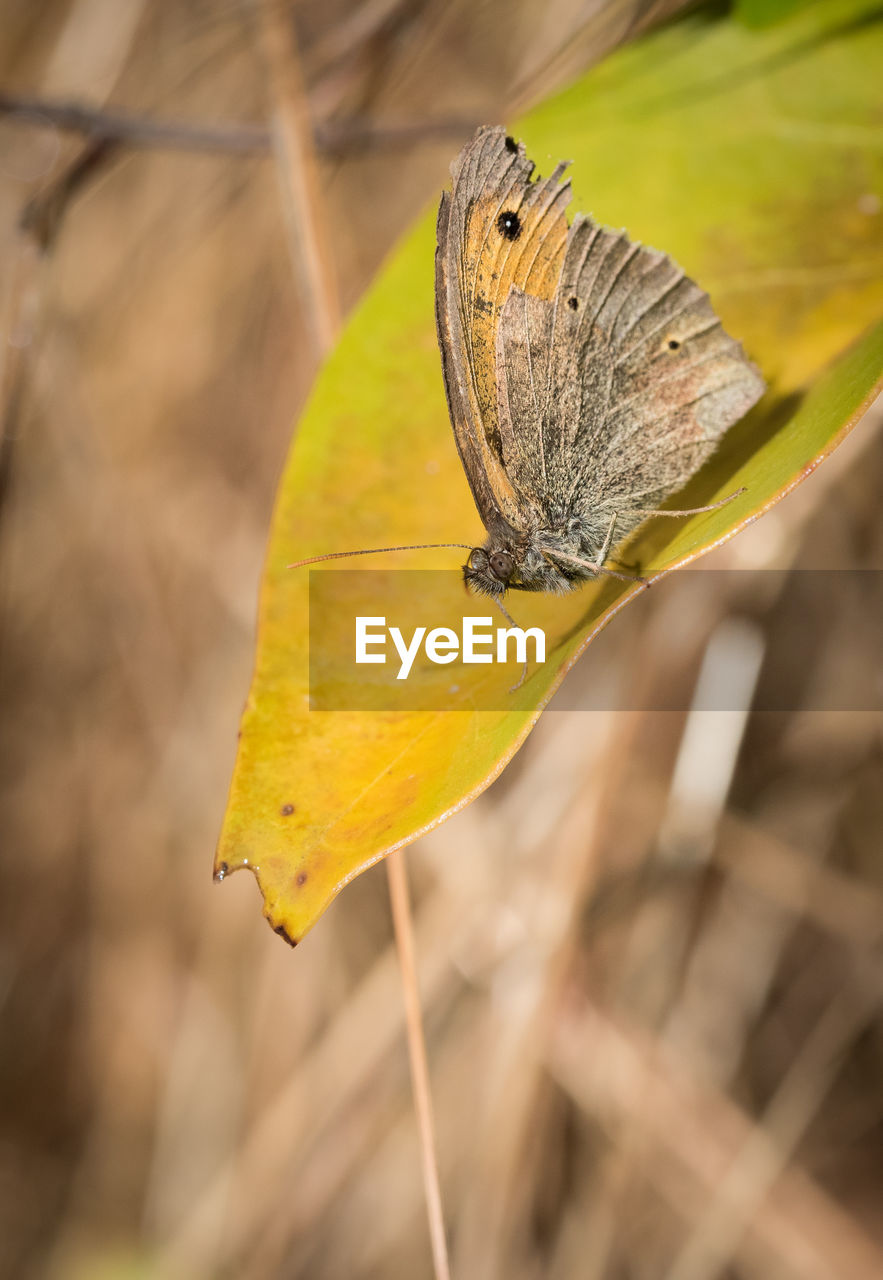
752 155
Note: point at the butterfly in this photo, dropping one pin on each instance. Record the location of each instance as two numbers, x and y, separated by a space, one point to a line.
587 377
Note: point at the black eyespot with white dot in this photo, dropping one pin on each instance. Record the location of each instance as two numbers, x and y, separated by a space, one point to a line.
509 224
673 344
573 303
510 144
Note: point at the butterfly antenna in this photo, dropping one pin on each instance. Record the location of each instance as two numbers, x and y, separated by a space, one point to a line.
377 551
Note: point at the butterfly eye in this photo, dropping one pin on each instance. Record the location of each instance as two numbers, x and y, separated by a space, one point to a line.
502 565
509 224
477 559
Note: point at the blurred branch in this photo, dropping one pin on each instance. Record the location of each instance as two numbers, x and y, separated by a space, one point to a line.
605 25
108 133
695 1136
736 1199
497 1203
43 214
345 39
331 1078
335 136
19 323
135 130
844 905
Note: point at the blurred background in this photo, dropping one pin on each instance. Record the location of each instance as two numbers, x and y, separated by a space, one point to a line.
649 954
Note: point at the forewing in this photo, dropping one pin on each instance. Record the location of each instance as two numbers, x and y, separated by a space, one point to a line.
497 230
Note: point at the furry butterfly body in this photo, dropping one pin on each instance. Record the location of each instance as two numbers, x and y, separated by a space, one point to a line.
587 376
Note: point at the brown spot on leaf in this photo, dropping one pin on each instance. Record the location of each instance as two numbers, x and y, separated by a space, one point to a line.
220 871
301 877
287 810
283 933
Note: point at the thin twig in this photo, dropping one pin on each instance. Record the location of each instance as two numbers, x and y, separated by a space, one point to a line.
135 130
334 136
296 166
401 915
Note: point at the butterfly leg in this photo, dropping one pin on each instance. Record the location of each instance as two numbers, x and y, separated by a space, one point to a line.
691 511
506 614
605 549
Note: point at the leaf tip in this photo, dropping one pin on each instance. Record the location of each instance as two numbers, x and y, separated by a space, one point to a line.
283 933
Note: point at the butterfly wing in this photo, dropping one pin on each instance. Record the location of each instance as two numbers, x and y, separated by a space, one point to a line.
497 231
615 391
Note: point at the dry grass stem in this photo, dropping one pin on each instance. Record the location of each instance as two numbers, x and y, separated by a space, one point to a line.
299 180
404 931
